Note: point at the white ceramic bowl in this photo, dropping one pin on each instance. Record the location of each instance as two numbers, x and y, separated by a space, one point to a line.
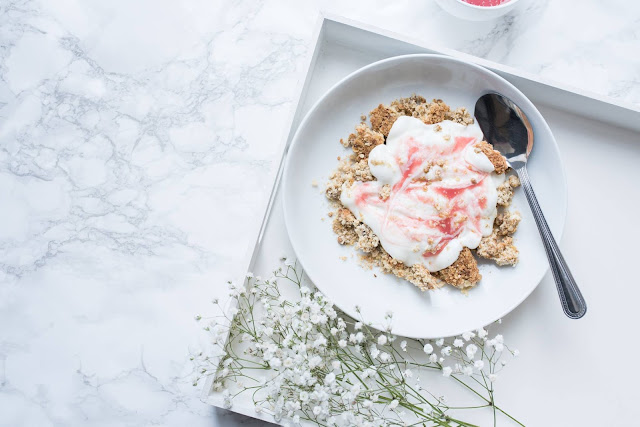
312 156
471 12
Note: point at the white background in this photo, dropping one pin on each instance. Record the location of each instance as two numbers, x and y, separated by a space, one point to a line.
135 139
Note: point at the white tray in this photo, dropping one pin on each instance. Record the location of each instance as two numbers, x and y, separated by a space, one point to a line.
584 124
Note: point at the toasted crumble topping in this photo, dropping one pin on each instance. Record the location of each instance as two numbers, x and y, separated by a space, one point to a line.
499 249
416 274
385 192
506 223
344 226
382 118
432 113
499 162
367 240
361 171
364 140
408 106
505 190
463 273
348 171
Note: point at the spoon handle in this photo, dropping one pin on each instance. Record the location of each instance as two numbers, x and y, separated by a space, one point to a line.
572 301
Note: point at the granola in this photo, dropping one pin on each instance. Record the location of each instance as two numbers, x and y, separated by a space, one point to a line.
464 272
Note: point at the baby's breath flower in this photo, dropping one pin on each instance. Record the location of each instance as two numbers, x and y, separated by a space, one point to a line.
439 342
446 351
320 342
335 365
330 378
403 345
468 335
382 340
492 377
471 350
274 362
315 361
342 343
384 357
374 351
226 399
433 358
478 364
516 353
355 390
428 348
458 343
357 326
482 333
394 404
446 371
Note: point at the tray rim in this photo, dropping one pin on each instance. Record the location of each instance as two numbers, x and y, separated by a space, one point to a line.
322 25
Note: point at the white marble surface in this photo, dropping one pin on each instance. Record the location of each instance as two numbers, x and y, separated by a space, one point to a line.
135 139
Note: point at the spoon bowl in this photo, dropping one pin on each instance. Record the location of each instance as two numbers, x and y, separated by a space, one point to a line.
506 127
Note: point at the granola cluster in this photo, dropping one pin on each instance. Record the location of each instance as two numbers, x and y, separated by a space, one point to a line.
463 273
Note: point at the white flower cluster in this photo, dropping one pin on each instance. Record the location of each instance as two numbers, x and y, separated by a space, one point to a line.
327 368
469 351
292 342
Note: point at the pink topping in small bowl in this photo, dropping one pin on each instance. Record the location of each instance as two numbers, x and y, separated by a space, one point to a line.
486 3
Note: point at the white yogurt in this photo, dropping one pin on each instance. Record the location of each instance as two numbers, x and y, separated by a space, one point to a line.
429 216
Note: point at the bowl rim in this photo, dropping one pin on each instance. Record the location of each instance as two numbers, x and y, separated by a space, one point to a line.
504 5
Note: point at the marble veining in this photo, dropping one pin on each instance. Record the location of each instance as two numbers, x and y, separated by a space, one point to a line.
135 143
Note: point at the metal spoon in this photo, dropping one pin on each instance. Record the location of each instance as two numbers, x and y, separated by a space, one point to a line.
506 127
